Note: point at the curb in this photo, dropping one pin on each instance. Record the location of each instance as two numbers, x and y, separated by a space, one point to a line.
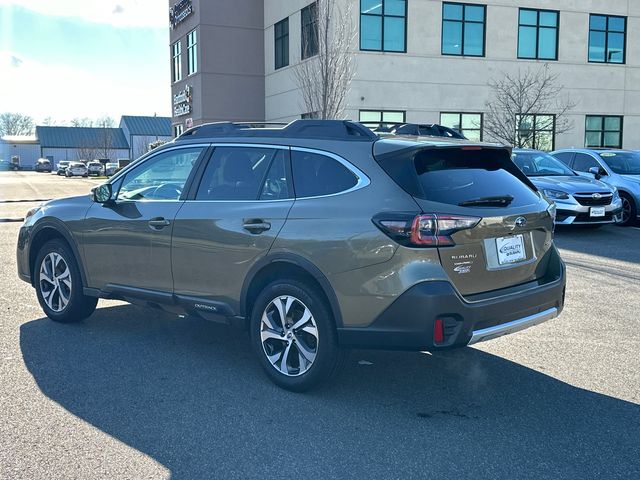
11 219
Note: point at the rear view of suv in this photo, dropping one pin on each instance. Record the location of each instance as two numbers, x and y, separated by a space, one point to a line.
316 237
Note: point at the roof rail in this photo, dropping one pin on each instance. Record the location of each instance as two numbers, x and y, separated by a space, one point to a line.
322 129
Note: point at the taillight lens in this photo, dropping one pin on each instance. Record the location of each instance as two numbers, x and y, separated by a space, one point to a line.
425 230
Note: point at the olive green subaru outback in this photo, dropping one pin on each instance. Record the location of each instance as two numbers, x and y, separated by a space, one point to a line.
317 236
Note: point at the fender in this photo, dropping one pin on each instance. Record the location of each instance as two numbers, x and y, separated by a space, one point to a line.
61 228
297 260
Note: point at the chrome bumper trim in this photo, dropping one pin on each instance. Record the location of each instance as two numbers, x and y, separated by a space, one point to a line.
513 326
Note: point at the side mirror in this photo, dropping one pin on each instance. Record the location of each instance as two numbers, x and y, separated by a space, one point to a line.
102 193
597 172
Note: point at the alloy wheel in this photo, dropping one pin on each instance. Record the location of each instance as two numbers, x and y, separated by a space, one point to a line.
289 335
55 281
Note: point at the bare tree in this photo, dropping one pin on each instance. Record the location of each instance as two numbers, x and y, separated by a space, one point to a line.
81 122
324 79
527 109
15 124
105 122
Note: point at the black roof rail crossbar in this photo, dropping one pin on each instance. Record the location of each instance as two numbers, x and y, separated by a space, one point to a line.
326 129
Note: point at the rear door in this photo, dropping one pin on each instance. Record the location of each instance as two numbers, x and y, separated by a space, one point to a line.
239 207
507 245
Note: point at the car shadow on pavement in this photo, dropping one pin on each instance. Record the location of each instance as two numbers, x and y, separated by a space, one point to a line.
189 394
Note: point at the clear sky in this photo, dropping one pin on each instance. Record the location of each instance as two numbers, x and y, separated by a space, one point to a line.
84 58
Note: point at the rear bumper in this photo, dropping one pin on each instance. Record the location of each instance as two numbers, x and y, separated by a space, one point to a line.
408 323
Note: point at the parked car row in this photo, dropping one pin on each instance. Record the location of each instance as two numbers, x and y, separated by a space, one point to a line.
77 168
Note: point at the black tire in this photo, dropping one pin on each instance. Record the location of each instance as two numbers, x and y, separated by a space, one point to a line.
633 210
79 306
329 356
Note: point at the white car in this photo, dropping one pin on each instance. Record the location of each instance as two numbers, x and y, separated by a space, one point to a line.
76 169
94 168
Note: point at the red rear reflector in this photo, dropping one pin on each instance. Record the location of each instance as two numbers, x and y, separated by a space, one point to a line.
471 148
438 331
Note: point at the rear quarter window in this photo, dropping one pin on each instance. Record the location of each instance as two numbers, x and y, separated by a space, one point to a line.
316 175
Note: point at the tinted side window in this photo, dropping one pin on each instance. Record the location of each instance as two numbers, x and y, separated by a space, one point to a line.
277 183
315 175
584 162
564 157
162 177
235 173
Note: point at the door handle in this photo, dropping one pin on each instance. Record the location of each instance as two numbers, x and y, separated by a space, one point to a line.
158 223
256 226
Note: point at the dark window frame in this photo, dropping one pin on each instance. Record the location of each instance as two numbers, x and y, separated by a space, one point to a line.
603 130
192 52
538 27
534 143
381 120
382 16
309 30
176 56
281 41
460 114
463 22
606 32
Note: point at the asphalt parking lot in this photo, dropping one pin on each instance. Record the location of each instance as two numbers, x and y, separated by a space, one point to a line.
133 393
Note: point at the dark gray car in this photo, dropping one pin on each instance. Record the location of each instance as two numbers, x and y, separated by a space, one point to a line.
317 237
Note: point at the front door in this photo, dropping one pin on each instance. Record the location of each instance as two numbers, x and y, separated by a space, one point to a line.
240 206
128 243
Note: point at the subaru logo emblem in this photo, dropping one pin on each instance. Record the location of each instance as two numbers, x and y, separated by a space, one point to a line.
521 222
596 196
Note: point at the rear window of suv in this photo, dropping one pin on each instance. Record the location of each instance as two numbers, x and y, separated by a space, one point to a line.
477 177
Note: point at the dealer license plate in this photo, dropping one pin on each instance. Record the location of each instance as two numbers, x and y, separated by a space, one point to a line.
510 249
597 212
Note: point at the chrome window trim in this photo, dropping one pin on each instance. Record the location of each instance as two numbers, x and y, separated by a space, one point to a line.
362 179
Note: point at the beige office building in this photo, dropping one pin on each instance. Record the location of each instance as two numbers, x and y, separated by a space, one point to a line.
422 61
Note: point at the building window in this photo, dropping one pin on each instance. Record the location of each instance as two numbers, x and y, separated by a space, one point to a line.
383 25
468 124
178 129
177 61
192 53
309 31
603 131
536 131
607 39
381 118
463 29
538 34
281 35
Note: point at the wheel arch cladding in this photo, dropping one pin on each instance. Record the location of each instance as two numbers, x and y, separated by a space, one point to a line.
46 232
287 267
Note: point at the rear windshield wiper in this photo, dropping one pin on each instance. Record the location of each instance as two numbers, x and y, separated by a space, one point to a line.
499 201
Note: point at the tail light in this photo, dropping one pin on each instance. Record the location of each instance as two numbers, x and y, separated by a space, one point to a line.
425 230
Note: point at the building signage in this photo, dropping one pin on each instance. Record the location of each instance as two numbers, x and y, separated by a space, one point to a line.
182 102
179 12
188 122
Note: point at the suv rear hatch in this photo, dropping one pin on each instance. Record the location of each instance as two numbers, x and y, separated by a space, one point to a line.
490 226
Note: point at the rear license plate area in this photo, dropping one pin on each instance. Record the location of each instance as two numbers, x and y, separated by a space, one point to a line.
510 249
